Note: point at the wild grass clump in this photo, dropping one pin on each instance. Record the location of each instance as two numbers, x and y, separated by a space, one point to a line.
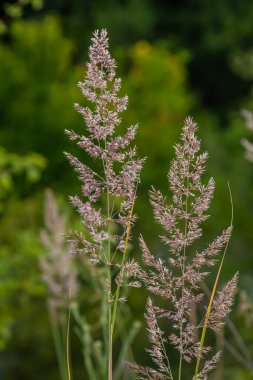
106 208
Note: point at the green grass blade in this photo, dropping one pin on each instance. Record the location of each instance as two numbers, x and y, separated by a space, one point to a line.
117 374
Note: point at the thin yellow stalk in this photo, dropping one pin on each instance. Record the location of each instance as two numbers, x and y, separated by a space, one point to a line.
183 271
67 340
67 348
203 335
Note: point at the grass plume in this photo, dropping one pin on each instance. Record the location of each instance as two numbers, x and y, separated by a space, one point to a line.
177 278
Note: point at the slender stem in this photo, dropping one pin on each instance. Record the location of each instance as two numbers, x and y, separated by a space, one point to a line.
67 346
67 338
58 348
110 356
110 340
183 272
116 297
165 355
203 335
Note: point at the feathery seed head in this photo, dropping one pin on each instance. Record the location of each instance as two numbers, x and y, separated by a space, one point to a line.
108 194
57 270
178 278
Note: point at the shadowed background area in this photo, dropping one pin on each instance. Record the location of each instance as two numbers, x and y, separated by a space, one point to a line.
176 58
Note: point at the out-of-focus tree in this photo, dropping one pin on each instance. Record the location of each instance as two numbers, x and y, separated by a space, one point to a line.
29 168
12 10
212 32
127 21
159 98
37 90
13 166
156 83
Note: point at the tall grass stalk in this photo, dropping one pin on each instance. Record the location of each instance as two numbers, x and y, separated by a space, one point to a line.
68 345
60 350
112 185
123 261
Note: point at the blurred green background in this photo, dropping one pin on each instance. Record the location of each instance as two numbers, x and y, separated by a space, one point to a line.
176 58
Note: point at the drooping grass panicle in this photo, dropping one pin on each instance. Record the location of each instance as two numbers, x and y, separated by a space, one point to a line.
177 278
121 167
60 277
58 272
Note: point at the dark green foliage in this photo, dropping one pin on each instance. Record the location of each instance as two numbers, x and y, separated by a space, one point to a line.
37 91
213 32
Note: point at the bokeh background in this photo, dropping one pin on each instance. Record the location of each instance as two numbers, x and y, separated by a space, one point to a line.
176 58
